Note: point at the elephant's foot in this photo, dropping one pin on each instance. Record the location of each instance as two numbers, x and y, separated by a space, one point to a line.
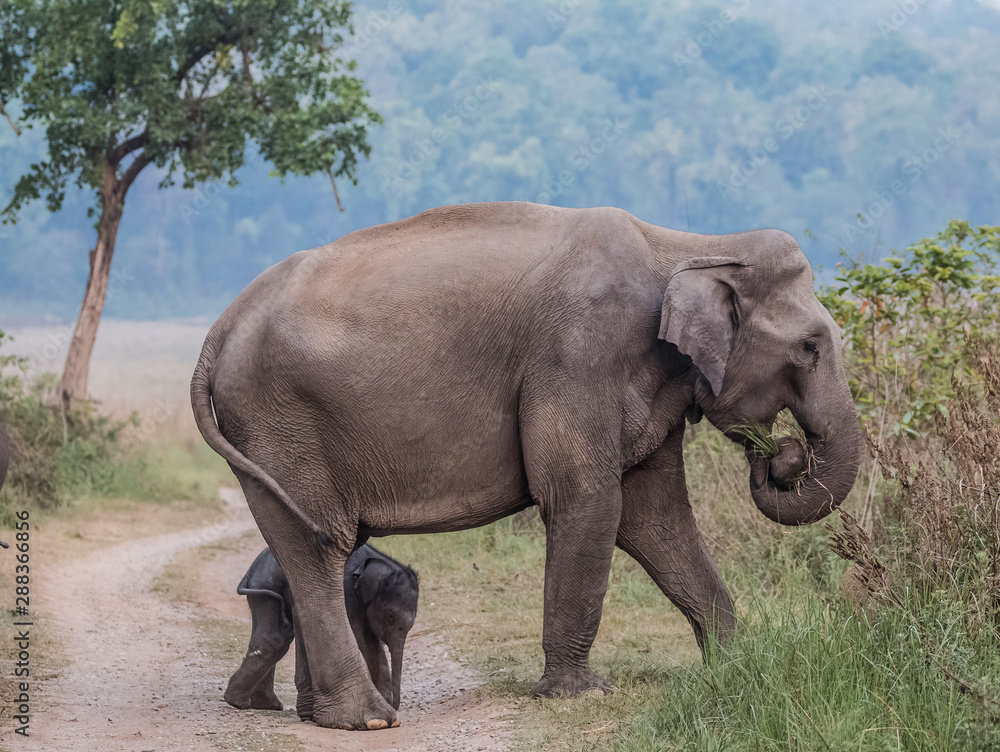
572 683
304 706
370 713
238 697
266 701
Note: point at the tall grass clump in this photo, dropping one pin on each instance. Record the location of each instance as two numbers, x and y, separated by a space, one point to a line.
939 559
57 457
807 675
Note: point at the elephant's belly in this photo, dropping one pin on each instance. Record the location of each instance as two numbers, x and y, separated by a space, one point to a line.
412 524
458 505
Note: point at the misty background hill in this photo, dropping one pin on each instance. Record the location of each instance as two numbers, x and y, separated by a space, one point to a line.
855 125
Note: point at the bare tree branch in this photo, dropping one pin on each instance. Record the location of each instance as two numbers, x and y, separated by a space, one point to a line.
128 146
10 120
132 173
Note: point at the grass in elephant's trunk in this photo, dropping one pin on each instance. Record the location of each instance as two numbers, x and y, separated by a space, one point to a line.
763 442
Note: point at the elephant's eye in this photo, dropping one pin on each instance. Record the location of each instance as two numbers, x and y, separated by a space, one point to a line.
810 346
390 617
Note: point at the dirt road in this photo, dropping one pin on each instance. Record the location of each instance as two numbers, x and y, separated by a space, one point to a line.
149 631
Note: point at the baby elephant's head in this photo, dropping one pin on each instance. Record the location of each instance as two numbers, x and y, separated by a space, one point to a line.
388 593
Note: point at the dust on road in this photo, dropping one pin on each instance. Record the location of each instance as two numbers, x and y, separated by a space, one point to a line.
136 672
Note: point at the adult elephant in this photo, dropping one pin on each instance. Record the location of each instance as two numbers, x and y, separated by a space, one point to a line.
446 370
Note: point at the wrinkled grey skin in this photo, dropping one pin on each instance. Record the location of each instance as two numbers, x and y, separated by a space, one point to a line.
4 459
381 599
444 371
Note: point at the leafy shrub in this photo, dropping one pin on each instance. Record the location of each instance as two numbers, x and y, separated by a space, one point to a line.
54 456
904 319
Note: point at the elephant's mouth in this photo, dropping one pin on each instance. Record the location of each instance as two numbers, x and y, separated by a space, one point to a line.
786 470
782 462
798 478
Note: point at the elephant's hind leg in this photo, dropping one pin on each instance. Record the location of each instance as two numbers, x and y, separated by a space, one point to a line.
252 686
342 695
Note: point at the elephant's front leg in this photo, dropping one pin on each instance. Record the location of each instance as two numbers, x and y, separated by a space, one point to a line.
578 553
579 502
658 530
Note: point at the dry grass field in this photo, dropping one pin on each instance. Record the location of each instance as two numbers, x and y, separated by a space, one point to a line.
137 366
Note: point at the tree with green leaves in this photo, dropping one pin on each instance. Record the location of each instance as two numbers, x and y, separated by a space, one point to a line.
185 85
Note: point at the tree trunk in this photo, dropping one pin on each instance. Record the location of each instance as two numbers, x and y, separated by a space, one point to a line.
73 384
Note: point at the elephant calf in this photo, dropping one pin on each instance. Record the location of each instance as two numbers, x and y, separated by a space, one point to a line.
381 598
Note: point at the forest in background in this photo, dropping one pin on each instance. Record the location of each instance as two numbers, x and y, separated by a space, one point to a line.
855 126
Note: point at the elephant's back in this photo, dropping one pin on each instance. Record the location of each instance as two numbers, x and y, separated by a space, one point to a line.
452 300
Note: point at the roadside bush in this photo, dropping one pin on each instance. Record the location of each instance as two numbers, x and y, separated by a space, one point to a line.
939 561
56 457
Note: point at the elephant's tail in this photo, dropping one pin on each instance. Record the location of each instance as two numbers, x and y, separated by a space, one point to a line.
242 589
204 416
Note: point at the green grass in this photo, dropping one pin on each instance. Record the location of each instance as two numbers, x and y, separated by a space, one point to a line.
82 470
805 676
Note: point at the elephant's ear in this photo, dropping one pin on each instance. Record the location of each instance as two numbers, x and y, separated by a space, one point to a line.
699 314
370 577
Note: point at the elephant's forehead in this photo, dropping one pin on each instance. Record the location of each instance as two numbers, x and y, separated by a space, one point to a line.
784 316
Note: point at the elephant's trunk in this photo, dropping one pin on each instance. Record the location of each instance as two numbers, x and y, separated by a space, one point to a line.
396 657
804 483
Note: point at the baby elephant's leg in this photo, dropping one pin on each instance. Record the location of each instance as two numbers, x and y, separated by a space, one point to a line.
252 686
